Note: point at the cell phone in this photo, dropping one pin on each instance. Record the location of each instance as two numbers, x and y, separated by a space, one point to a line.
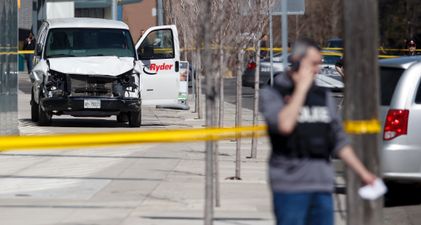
295 65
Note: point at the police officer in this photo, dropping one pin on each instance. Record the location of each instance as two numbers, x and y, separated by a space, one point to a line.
29 44
305 131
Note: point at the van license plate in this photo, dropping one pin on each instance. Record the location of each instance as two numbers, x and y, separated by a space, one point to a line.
91 104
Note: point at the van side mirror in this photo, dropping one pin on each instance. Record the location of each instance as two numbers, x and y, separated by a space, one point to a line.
38 50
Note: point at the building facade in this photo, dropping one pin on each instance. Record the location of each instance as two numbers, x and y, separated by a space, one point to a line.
138 14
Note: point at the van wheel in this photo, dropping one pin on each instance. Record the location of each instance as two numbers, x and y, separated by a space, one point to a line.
122 118
135 118
44 118
34 109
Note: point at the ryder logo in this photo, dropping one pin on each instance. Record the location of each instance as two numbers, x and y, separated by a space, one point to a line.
153 68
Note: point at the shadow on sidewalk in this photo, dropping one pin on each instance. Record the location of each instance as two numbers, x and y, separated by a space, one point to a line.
92 123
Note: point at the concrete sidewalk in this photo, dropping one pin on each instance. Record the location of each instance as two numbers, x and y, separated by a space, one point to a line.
136 184
153 184
180 199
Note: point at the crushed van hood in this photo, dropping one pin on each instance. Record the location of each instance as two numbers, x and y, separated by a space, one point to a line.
330 81
109 65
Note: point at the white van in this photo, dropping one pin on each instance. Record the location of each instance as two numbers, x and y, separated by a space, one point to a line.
91 67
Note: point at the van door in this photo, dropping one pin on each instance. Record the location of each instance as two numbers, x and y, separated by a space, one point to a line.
159 60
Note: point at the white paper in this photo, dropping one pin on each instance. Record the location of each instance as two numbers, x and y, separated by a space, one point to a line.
374 191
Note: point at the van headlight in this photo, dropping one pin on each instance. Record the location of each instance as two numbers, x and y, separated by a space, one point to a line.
56 84
126 85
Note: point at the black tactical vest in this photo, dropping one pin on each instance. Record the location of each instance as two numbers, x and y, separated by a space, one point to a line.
313 136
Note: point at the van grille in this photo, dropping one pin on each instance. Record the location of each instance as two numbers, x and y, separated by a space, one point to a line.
91 86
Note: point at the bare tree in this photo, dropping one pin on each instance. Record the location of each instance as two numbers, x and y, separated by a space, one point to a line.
250 18
185 15
218 30
323 19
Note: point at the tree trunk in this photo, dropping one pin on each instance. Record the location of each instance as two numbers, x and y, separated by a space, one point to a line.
221 86
238 112
220 123
194 83
185 45
254 140
211 95
361 102
199 86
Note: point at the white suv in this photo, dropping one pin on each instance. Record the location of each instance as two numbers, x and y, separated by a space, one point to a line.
91 67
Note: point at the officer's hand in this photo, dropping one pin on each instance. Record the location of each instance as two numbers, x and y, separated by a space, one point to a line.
304 77
368 178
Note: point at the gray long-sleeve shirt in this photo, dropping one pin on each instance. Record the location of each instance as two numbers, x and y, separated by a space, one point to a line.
299 175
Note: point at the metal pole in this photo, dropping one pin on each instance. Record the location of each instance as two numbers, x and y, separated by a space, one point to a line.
114 9
254 140
160 13
8 68
285 34
271 46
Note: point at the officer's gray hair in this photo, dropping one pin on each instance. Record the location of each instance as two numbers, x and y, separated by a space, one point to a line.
301 46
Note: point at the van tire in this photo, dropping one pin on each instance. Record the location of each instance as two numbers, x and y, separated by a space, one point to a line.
122 117
34 109
135 118
44 118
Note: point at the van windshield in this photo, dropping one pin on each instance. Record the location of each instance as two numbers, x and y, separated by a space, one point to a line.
389 78
84 42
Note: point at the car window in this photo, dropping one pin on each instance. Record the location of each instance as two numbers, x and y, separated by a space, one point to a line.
389 78
84 42
331 59
278 58
157 45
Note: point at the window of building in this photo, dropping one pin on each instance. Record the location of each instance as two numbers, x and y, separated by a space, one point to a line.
89 12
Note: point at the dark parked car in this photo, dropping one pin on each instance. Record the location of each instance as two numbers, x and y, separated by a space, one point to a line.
335 43
328 76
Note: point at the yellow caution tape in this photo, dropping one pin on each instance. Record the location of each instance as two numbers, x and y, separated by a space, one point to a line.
9 53
24 52
362 126
24 143
334 49
45 142
266 49
379 49
388 56
332 53
280 49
